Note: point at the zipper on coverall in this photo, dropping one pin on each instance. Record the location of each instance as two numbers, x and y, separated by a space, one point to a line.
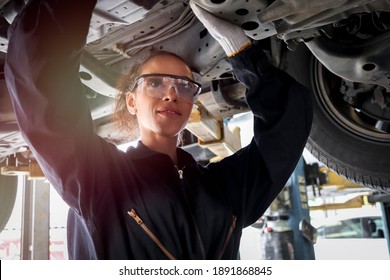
202 250
139 221
228 236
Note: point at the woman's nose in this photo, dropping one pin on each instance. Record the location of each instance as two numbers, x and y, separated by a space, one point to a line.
171 93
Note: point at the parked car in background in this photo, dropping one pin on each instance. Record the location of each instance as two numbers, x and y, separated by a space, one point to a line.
354 238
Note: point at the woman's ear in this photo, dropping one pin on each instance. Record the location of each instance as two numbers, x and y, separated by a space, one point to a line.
130 102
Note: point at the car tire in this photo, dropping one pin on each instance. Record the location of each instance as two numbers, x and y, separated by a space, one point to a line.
354 152
8 189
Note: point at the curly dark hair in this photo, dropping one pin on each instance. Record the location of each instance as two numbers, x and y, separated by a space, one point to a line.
127 122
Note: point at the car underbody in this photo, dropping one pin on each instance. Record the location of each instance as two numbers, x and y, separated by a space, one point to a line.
338 49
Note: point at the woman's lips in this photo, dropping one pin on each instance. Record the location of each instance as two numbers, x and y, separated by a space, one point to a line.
168 112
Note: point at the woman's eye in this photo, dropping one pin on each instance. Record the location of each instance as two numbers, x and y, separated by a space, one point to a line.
185 86
154 83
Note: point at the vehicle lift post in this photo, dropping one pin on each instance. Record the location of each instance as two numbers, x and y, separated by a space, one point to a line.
386 220
384 200
299 215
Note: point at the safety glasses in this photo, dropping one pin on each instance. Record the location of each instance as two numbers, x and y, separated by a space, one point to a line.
158 85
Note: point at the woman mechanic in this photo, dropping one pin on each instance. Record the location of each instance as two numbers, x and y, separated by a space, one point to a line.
154 201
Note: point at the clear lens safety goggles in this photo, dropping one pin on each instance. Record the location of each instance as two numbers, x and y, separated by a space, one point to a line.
158 85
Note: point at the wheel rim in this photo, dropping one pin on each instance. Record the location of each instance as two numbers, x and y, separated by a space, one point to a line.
357 122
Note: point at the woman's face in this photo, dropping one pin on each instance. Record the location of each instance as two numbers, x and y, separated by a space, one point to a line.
167 115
